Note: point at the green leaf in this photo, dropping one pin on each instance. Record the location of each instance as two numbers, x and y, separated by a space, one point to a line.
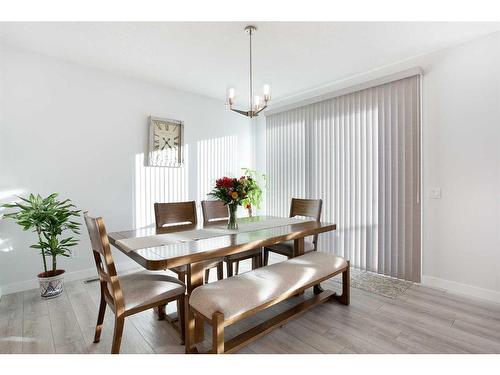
50 219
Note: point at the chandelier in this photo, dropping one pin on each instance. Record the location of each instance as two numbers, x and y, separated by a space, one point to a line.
257 103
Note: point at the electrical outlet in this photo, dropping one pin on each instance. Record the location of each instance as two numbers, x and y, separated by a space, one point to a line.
74 253
435 193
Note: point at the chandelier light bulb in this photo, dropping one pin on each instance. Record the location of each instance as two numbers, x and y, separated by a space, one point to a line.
256 102
266 90
230 96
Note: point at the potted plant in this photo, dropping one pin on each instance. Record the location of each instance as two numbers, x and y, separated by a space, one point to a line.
49 218
254 196
233 192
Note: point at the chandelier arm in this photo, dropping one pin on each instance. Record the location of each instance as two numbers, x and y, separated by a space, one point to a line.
259 111
246 113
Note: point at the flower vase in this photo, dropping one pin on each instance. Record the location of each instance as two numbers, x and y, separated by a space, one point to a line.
232 223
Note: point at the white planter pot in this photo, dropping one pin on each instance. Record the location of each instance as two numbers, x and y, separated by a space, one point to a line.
51 286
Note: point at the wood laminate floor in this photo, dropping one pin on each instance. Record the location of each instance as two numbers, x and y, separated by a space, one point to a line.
422 320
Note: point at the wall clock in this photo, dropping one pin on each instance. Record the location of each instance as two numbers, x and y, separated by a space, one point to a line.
166 142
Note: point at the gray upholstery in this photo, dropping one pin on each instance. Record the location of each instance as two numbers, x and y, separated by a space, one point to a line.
286 248
238 294
142 288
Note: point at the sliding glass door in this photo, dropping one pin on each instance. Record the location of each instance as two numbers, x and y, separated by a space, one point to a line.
360 154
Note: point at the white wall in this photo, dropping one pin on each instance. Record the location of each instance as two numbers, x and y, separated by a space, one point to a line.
82 132
461 155
461 112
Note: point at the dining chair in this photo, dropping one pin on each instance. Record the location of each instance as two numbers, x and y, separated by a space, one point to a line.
182 215
309 208
214 211
132 293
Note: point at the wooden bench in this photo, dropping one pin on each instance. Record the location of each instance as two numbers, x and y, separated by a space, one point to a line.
227 301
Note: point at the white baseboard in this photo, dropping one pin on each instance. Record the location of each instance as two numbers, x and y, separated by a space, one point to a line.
459 288
21 286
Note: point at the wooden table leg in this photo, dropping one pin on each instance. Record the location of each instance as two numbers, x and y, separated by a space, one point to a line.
194 276
298 247
298 250
194 279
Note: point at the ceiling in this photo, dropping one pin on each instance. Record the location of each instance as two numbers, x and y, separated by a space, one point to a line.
206 58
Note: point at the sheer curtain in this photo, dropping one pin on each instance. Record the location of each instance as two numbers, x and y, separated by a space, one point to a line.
360 153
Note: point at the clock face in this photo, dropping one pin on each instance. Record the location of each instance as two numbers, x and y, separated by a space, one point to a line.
165 143
167 136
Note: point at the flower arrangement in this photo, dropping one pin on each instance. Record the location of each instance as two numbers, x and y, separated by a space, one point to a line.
258 181
233 192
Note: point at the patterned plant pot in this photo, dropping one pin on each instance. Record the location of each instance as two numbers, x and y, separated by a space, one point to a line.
51 283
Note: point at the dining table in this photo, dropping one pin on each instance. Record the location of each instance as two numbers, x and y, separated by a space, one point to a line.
193 244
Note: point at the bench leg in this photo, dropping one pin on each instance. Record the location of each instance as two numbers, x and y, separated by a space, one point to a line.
199 330
218 333
346 287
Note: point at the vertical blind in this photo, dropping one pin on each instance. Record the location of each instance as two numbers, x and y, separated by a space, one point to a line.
214 158
156 184
359 153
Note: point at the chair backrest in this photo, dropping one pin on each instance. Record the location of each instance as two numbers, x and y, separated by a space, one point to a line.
308 208
110 286
214 210
180 213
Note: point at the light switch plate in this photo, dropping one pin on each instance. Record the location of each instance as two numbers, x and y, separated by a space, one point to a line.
435 193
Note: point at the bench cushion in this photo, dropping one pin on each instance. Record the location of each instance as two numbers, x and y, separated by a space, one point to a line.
238 294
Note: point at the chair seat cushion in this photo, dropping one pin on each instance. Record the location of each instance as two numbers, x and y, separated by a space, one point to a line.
238 294
142 288
286 248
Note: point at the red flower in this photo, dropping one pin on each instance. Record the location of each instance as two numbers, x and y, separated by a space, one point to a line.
225 182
